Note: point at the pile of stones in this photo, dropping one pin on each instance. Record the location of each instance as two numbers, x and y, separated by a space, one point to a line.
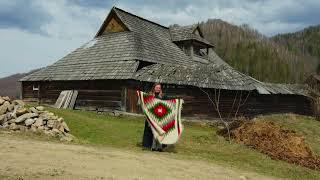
15 116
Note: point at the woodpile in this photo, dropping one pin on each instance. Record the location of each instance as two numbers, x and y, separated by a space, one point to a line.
15 116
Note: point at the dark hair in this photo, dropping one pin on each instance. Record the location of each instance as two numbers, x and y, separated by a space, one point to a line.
152 92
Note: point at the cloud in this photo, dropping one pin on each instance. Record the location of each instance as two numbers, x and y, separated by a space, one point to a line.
25 15
70 20
22 51
59 18
278 16
92 3
35 33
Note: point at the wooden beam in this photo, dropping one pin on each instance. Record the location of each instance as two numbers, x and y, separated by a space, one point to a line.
39 99
191 49
124 99
21 90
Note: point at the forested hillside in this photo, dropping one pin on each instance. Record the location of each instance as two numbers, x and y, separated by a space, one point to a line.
256 55
306 42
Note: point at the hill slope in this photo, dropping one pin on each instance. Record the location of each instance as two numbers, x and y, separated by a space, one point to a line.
256 55
9 86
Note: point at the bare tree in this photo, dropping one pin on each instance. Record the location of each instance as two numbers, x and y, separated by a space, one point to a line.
216 102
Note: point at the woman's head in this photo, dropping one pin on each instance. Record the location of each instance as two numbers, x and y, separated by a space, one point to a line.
156 89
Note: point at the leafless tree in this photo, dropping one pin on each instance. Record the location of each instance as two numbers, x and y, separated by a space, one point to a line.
216 102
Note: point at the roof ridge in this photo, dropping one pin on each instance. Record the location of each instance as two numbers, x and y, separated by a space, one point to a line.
116 8
185 26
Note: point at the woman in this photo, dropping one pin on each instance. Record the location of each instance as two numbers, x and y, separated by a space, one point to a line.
148 140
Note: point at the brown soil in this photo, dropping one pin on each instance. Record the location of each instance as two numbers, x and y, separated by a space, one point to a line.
277 142
22 158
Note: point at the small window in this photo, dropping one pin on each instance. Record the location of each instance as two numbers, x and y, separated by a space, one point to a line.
199 52
35 87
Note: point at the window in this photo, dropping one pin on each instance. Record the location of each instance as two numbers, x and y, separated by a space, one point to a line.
35 87
199 52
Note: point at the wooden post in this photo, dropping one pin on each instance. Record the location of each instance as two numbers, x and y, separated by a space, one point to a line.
21 90
39 100
191 50
124 99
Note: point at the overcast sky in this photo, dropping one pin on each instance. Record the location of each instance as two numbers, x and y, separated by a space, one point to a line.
36 33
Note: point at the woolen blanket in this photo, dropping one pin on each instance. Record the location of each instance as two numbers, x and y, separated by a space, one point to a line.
164 117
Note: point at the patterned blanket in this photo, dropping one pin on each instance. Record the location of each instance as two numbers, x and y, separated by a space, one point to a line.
164 117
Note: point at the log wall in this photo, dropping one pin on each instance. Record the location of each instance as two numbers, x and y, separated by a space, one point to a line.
121 95
197 103
92 95
250 104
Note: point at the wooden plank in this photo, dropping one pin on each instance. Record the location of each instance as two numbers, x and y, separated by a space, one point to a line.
132 100
73 99
61 99
21 90
124 99
68 99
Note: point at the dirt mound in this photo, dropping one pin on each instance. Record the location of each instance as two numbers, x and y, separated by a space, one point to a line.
277 142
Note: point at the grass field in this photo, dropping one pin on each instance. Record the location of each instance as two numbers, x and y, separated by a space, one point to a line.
197 142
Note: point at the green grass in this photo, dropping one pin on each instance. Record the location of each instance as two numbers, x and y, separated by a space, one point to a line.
197 142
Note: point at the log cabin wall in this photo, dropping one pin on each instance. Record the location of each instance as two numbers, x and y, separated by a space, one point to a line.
27 91
278 103
197 103
92 95
121 95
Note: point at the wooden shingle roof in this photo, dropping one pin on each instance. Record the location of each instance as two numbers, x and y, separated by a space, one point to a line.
184 33
117 56
146 41
204 76
86 71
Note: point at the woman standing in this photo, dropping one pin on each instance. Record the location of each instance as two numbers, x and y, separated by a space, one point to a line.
148 140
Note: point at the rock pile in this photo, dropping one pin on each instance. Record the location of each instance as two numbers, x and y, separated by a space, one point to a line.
15 116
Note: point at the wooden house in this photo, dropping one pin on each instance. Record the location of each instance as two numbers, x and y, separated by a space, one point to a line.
130 53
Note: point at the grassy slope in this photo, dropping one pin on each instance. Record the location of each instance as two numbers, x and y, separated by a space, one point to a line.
198 141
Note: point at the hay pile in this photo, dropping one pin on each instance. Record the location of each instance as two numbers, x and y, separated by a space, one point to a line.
277 142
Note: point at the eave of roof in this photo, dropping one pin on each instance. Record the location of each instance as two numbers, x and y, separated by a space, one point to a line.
214 76
87 71
204 76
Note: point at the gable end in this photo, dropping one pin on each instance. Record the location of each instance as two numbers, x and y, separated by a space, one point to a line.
197 31
112 24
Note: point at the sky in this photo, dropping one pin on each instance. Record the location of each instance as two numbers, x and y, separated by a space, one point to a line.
36 33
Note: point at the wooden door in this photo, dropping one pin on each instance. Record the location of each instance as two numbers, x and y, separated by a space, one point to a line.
132 101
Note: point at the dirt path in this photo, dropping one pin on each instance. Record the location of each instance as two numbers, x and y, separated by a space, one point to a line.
32 159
